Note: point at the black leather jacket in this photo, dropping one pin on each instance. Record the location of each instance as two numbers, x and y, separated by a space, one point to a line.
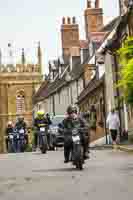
68 124
20 125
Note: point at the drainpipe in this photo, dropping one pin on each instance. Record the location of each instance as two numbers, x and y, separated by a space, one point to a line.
118 93
105 114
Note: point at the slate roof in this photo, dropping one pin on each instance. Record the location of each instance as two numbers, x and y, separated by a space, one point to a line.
111 25
92 85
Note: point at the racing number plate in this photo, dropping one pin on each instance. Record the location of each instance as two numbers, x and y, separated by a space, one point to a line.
21 131
42 129
11 136
76 138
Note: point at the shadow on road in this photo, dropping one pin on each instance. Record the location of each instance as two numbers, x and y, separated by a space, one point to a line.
56 170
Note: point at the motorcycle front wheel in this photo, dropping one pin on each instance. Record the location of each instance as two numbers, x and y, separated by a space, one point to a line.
79 165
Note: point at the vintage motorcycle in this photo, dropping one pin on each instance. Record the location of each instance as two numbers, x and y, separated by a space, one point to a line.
11 142
43 144
21 141
77 150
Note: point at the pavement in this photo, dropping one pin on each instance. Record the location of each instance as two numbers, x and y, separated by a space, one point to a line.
33 176
126 148
123 147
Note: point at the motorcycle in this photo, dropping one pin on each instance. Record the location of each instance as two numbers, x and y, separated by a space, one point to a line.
16 140
43 139
11 143
77 151
21 140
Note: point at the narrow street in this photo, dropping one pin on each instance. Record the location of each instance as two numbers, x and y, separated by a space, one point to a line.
33 176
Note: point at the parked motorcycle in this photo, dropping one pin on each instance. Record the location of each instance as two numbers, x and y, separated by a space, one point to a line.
77 152
43 139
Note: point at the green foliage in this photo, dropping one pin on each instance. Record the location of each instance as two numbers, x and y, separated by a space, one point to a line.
126 73
28 148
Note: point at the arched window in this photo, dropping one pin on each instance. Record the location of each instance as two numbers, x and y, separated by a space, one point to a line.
20 102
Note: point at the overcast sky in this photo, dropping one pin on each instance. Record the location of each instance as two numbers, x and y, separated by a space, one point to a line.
25 22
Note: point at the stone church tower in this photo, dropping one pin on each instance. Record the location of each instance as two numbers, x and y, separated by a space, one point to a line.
17 86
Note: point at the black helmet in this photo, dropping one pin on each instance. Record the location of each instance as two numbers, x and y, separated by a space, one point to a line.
75 110
72 109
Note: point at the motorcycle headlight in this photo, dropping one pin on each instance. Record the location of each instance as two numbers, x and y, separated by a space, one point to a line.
49 130
54 130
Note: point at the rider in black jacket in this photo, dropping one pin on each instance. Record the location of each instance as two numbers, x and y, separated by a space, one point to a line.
21 124
70 122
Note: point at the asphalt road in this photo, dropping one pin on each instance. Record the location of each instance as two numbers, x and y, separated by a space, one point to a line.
33 176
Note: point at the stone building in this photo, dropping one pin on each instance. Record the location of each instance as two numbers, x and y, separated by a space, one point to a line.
17 86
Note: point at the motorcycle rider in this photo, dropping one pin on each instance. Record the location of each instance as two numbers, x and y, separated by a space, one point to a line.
48 133
48 119
68 124
40 119
21 124
9 129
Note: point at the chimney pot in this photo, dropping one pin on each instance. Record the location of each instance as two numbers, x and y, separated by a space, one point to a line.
69 20
74 20
63 20
88 4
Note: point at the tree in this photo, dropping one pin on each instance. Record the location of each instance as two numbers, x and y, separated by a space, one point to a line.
126 73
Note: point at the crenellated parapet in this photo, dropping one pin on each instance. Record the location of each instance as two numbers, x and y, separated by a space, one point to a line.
20 68
23 66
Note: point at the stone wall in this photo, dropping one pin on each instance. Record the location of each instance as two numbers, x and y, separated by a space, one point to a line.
10 84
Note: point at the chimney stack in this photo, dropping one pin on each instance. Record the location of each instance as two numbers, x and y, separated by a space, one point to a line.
69 36
93 18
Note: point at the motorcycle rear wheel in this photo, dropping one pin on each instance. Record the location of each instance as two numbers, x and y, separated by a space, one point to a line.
79 165
43 150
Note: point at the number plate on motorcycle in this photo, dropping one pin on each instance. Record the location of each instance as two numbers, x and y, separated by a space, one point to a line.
42 129
76 138
17 136
11 136
21 131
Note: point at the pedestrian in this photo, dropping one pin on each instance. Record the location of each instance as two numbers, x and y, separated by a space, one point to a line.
113 124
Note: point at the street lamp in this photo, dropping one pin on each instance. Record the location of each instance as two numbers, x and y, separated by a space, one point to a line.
68 79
